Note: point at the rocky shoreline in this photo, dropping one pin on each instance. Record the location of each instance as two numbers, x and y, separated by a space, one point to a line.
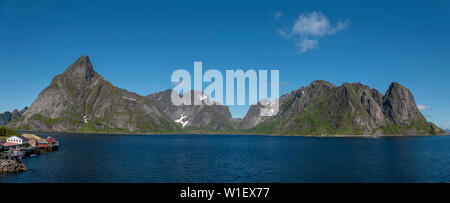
12 166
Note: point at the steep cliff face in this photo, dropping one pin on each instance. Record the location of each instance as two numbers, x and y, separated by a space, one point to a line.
82 100
350 109
253 117
399 106
401 109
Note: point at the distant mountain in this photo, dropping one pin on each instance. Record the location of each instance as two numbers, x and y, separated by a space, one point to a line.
193 117
81 100
447 130
7 117
350 109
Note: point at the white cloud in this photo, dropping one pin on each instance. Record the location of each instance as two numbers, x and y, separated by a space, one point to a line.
423 107
306 44
308 28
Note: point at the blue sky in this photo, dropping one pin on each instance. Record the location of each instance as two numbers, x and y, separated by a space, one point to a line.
138 44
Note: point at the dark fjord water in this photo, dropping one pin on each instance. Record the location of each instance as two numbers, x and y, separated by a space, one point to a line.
238 158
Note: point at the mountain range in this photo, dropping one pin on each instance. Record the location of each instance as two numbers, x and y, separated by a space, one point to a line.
81 100
350 109
6 117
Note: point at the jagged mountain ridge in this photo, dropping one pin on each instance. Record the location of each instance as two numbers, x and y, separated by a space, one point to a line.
6 117
350 109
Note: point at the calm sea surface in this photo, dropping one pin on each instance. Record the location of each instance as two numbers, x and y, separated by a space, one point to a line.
238 158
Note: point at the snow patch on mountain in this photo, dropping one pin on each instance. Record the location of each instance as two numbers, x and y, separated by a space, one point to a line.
182 120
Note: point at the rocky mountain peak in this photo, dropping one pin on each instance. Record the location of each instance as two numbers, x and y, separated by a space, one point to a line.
81 69
396 85
399 105
321 83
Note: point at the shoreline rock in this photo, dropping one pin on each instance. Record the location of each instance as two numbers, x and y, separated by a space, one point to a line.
12 166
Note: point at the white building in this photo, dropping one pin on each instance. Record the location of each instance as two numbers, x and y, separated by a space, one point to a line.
17 139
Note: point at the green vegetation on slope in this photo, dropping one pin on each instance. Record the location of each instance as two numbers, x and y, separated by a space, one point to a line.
6 132
418 126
